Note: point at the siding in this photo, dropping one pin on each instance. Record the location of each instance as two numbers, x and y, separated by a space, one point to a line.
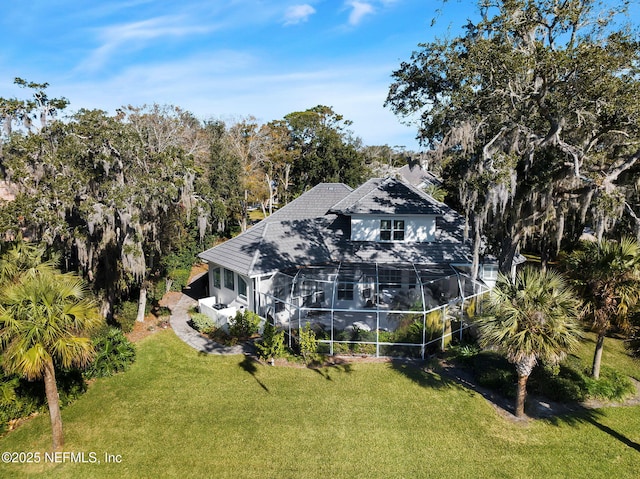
418 229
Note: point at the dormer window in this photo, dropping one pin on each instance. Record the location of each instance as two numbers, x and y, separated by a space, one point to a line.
391 230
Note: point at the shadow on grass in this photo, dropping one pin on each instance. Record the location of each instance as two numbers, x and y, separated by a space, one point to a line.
249 365
592 416
420 374
447 375
324 369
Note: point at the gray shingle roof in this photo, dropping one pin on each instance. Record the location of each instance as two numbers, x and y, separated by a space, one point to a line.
288 237
312 231
389 196
415 175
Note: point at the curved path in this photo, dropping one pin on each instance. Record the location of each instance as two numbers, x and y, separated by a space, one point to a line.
179 321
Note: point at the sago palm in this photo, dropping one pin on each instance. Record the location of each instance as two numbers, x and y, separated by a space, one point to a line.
44 318
530 318
607 275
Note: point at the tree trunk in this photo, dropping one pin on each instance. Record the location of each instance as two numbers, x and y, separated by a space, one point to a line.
508 250
53 401
477 240
245 212
521 395
106 308
142 303
597 357
272 193
285 184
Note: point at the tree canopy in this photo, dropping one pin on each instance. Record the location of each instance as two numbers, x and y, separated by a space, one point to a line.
533 114
127 198
324 149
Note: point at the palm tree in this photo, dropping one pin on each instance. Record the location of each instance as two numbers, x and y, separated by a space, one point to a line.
22 258
607 275
530 317
43 320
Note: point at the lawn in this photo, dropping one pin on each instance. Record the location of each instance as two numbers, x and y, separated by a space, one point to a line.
178 413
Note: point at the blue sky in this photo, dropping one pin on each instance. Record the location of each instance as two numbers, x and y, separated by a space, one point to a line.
224 59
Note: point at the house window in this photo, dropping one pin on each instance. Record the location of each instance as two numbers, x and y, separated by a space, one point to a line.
279 294
391 230
242 287
345 290
216 278
490 272
228 279
390 278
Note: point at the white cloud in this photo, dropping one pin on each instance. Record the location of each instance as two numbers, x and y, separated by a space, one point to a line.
359 11
131 36
298 14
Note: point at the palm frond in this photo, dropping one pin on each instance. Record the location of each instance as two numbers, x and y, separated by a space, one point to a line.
533 315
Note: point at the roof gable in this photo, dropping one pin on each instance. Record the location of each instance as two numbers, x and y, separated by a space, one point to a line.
389 196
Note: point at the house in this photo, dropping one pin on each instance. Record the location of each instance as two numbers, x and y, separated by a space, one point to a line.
350 261
417 176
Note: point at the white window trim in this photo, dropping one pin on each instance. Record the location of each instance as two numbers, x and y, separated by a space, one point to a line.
224 279
393 229
246 288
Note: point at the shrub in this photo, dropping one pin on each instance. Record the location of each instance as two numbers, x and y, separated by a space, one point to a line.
202 322
492 370
612 385
219 335
561 382
272 344
114 353
466 353
125 315
157 291
162 312
307 341
71 385
244 324
567 382
179 278
15 402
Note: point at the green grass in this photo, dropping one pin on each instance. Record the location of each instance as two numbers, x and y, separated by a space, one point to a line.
177 413
614 356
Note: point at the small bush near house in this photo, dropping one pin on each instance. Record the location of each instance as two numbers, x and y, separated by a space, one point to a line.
307 342
219 335
244 324
114 353
202 322
271 346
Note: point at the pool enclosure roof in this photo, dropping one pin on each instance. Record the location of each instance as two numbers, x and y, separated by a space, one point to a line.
390 287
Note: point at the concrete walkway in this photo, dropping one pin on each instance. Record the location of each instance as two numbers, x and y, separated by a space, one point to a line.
179 321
